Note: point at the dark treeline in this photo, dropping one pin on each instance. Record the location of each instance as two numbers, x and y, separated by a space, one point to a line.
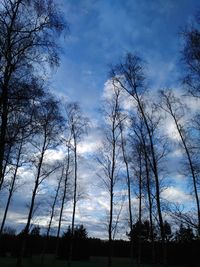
133 159
182 246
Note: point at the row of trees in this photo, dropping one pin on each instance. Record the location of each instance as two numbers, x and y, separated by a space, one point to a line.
33 121
134 150
182 246
136 144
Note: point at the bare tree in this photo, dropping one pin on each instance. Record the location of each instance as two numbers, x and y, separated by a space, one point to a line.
125 156
109 158
141 137
129 75
27 30
19 131
52 214
12 184
65 173
48 121
173 106
77 125
139 175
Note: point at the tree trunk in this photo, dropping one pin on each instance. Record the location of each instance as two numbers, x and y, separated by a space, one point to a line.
9 68
140 211
157 182
74 198
191 169
11 188
26 229
50 222
128 189
150 206
63 202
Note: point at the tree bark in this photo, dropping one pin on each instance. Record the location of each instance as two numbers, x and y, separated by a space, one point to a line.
128 188
30 214
11 188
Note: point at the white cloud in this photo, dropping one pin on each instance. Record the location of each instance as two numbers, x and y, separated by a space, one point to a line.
126 100
52 155
87 146
170 129
174 194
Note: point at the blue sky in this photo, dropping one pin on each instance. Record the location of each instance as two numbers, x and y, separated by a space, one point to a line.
101 32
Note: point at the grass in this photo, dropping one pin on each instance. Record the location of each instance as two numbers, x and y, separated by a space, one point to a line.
50 262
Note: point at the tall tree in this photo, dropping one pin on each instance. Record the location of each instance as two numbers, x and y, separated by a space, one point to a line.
140 132
77 125
48 123
27 31
109 158
124 143
12 184
129 75
173 106
65 173
52 214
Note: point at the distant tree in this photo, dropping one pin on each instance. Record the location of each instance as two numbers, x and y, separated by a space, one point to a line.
81 243
80 232
184 234
9 230
35 231
168 231
141 231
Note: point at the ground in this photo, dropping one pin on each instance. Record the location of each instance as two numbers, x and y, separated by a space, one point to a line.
49 262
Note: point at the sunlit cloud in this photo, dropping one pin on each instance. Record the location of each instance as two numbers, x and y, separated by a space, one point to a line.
176 195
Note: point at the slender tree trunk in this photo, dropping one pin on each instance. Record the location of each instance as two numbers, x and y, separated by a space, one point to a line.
4 119
74 198
63 201
157 182
112 177
150 207
140 106
11 188
53 206
140 211
110 228
5 166
128 189
147 170
26 229
194 180
50 221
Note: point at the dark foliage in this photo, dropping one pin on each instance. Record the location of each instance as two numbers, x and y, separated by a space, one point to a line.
182 251
80 244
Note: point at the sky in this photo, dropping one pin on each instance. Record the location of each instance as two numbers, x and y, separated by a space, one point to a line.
100 33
